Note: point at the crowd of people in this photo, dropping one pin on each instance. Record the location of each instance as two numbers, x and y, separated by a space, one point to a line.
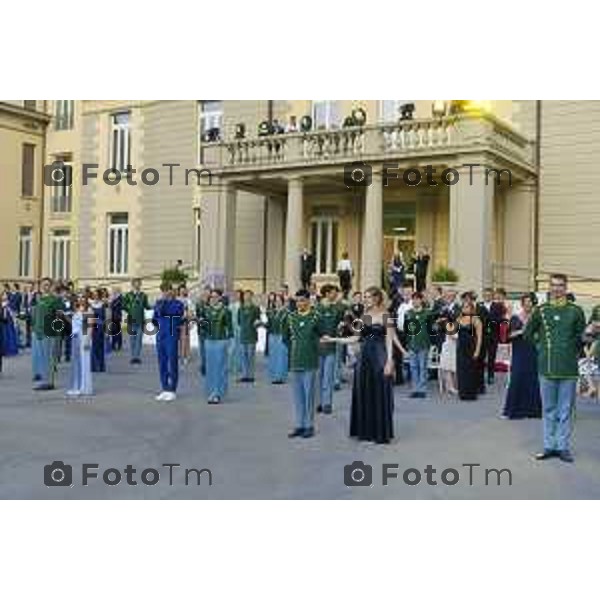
319 339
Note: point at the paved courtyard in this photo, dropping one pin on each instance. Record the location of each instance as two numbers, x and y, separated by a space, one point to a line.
244 443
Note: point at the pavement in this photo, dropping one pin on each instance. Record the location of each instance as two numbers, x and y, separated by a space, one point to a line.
242 445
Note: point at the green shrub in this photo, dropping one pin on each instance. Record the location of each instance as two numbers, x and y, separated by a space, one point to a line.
445 274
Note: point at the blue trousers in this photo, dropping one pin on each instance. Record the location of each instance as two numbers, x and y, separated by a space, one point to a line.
303 386
558 405
418 369
327 364
136 338
168 362
42 358
340 351
235 354
278 358
217 368
202 354
247 353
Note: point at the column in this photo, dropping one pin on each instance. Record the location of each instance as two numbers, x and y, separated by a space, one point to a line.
471 214
218 212
294 227
518 237
227 227
372 234
275 242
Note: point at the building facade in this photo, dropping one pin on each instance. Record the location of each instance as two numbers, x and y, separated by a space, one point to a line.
22 138
237 203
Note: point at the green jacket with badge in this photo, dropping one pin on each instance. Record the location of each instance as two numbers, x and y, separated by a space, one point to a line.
215 322
417 326
135 303
330 316
556 329
248 314
301 332
43 313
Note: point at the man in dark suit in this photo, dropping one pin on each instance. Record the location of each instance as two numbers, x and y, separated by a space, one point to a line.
421 264
307 268
492 313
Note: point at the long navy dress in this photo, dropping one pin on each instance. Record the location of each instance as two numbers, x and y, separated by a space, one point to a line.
468 376
523 398
372 411
98 342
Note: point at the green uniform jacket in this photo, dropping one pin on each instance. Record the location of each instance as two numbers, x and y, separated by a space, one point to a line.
301 332
556 330
135 305
276 319
44 311
595 318
216 322
330 316
247 315
417 332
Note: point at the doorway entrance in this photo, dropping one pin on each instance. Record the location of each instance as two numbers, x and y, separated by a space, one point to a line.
399 227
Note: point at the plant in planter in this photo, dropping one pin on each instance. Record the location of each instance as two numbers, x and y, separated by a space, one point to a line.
174 277
445 276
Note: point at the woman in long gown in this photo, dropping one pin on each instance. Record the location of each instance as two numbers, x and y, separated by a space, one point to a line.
98 345
10 345
81 367
468 349
372 411
523 398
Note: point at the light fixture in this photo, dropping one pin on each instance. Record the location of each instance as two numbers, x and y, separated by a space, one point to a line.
399 228
438 109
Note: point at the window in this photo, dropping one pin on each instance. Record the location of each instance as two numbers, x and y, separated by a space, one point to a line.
120 141
61 193
25 241
326 114
63 114
197 234
30 104
324 244
27 170
389 110
118 244
210 116
60 254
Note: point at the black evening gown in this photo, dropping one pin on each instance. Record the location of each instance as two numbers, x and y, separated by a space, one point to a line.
372 412
523 398
468 374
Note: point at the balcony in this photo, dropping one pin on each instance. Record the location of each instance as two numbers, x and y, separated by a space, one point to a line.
436 139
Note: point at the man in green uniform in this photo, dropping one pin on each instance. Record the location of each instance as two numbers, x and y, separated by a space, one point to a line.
417 325
301 332
135 304
47 328
330 314
249 320
556 328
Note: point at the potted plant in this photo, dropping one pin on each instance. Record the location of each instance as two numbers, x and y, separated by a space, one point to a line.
445 276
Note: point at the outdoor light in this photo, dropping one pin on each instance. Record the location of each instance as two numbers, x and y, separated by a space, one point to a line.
478 106
306 123
264 128
240 131
406 111
438 108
